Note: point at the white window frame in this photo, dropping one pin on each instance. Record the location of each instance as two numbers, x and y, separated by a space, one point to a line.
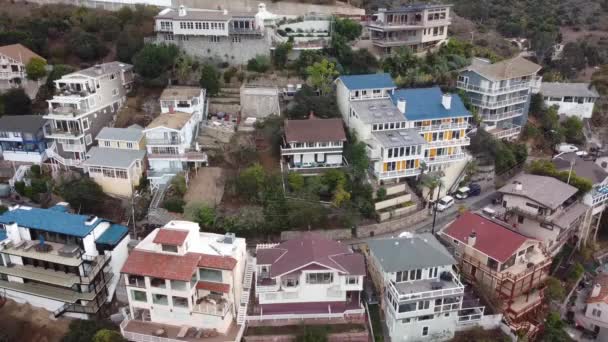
88 139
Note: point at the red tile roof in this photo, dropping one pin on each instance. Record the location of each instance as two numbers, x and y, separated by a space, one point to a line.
602 280
175 237
211 286
311 248
216 261
492 239
165 266
19 52
313 130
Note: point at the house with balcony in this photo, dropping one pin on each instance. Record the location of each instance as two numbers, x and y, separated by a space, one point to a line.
591 307
84 102
184 99
22 138
422 296
185 282
65 263
313 145
515 269
572 99
229 36
13 60
544 208
118 162
404 128
420 27
501 93
307 277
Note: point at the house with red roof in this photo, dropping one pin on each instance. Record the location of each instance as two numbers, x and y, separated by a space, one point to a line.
307 277
313 145
513 265
184 282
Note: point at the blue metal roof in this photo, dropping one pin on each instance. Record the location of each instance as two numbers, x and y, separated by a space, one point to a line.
59 207
425 104
368 81
113 235
50 220
3 234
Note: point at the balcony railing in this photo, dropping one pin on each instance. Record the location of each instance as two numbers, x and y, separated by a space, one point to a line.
503 116
452 142
440 127
301 150
485 90
458 288
600 194
397 173
501 103
235 30
217 309
505 133
164 141
74 147
408 24
67 111
267 285
60 132
446 158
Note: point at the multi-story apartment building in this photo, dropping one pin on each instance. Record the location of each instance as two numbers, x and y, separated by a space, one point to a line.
500 92
422 296
118 162
171 138
22 138
233 37
178 276
313 145
307 277
63 262
404 128
13 60
572 99
514 266
419 27
85 102
544 208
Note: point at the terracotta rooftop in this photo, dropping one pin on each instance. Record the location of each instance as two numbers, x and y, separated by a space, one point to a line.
212 286
313 130
164 266
602 280
493 240
174 237
311 248
216 261
19 52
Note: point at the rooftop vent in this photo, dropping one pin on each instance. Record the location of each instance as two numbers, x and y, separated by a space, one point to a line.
182 10
229 238
518 186
401 104
90 220
472 239
446 101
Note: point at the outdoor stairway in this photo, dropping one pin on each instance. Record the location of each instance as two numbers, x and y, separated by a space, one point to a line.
245 295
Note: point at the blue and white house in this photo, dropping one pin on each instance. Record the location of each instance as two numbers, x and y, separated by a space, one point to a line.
22 138
404 129
65 263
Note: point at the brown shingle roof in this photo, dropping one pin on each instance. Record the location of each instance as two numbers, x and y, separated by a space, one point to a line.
216 261
548 191
174 237
211 286
164 266
175 120
314 130
180 93
503 70
19 52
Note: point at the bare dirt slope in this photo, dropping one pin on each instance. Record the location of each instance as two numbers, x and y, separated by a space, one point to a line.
23 322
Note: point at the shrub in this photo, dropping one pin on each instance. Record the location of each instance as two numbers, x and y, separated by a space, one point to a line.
39 186
20 188
35 171
179 184
381 194
260 63
174 204
295 181
3 209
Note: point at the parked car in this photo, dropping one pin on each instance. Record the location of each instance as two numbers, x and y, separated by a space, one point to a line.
562 148
445 202
462 193
474 189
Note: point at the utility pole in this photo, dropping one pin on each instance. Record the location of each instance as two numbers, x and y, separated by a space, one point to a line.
435 209
572 161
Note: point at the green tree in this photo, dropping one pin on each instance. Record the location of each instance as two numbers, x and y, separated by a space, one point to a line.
356 154
179 184
307 101
58 71
295 181
259 63
154 60
86 46
106 335
573 130
210 79
347 28
542 43
312 334
555 290
281 54
306 59
322 74
431 181
576 272
200 213
85 330
250 182
306 212
128 44
83 194
36 68
275 205
554 329
16 102
174 204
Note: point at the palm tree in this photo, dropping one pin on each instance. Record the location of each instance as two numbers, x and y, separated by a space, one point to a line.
432 181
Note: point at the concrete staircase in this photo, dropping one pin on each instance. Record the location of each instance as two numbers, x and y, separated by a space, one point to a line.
246 294
228 100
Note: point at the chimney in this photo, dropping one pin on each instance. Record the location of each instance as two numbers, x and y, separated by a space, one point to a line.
446 101
518 186
262 7
225 12
472 238
596 290
98 69
401 105
182 10
90 220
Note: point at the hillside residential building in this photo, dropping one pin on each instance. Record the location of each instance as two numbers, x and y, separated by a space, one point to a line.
573 99
403 128
307 277
13 60
229 36
501 93
313 145
118 162
178 276
22 138
85 102
422 296
591 309
516 268
419 27
171 138
544 208
62 262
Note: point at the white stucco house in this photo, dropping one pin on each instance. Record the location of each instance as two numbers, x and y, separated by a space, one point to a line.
573 99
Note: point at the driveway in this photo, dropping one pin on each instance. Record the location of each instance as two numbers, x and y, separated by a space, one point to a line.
206 186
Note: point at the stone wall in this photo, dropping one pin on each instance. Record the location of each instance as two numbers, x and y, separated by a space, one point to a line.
485 176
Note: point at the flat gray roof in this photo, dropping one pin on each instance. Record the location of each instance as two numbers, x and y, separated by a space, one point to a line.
102 69
132 134
202 14
401 254
21 123
548 191
377 111
583 168
561 89
113 157
400 137
180 93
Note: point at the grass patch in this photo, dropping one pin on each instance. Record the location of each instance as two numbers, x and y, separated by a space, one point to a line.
374 313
